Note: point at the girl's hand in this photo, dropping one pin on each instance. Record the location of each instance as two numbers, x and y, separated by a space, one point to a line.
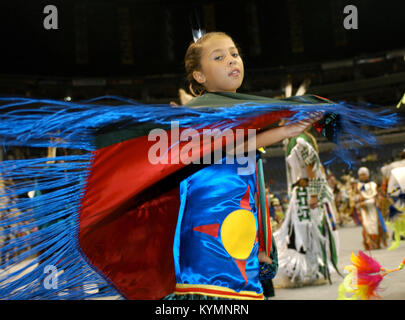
263 257
296 128
274 135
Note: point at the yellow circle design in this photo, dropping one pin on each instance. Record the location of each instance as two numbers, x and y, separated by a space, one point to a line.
238 233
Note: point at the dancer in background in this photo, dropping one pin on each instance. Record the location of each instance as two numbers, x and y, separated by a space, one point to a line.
386 173
307 242
373 223
353 199
396 212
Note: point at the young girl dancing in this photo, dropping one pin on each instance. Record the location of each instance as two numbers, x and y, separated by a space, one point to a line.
217 252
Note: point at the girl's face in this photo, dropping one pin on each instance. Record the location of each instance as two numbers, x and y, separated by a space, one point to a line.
221 66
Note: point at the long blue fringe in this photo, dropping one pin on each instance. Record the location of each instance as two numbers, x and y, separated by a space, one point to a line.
43 230
75 123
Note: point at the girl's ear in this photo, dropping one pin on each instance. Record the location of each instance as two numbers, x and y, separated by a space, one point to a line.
199 77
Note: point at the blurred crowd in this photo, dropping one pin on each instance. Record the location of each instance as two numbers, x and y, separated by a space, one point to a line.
350 200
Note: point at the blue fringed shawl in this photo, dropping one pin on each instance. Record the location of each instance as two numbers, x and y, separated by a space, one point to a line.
55 212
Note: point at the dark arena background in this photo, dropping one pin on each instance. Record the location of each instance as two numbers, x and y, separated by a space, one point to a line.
135 49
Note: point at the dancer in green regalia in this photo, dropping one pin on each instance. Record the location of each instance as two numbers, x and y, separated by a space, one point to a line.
307 240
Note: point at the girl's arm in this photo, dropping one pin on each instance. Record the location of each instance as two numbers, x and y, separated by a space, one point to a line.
274 135
263 257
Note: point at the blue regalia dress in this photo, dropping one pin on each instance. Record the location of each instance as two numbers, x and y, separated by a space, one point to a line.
216 240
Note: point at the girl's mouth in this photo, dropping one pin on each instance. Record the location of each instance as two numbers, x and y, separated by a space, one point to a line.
234 73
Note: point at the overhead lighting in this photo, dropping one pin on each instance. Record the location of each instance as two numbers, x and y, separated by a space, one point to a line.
303 87
288 89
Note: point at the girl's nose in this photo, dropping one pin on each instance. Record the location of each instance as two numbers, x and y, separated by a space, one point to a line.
232 61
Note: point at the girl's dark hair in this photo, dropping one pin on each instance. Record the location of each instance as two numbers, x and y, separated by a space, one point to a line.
192 61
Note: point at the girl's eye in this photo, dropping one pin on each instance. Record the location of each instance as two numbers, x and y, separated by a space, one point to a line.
218 58
235 55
